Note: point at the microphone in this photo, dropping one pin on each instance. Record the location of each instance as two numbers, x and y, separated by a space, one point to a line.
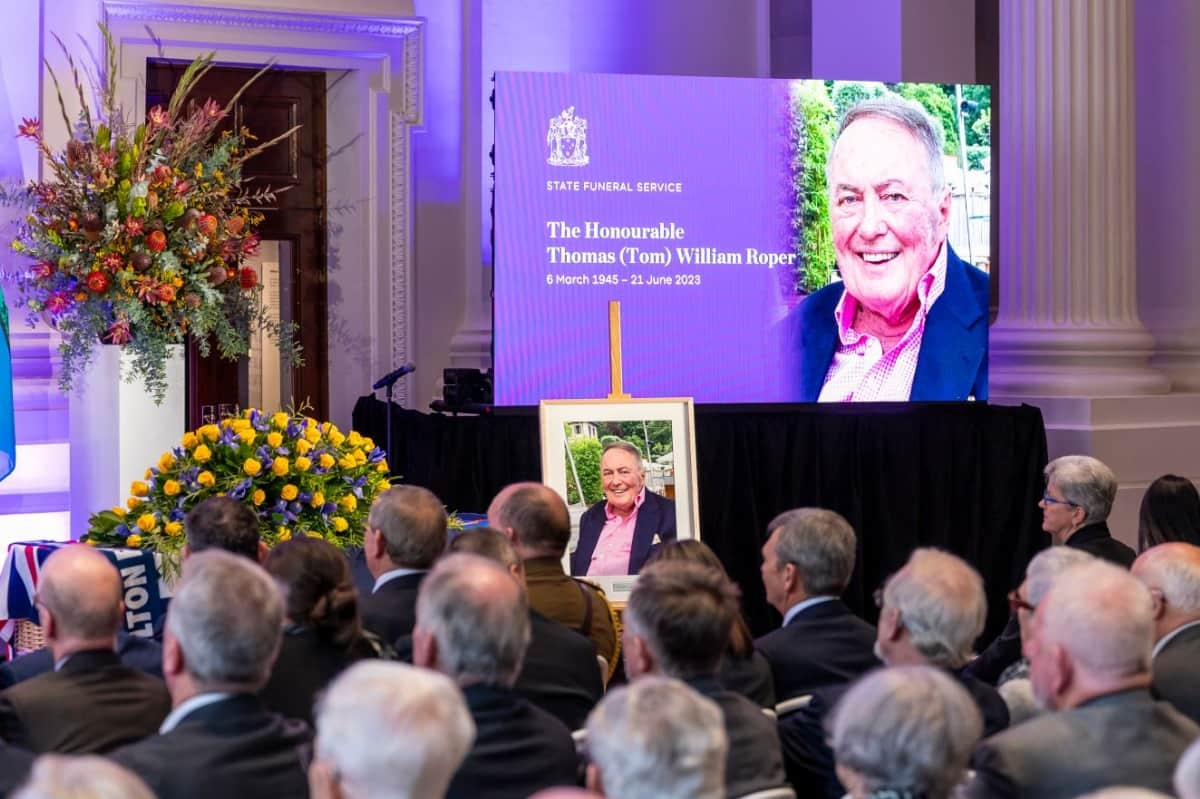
393 376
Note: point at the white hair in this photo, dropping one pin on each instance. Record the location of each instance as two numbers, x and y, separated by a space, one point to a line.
941 604
908 114
227 615
658 739
1177 577
1125 792
906 727
393 731
1046 566
1086 482
1102 616
81 777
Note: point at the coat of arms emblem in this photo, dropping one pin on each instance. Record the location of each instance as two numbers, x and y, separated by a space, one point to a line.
567 139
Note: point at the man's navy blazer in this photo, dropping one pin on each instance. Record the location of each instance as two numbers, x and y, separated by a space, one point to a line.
953 362
656 517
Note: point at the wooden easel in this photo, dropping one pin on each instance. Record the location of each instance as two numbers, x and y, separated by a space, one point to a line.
617 391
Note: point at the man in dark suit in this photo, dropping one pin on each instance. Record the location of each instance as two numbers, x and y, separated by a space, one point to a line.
909 319
677 624
807 562
406 532
91 702
1172 573
473 626
617 534
1089 659
222 634
931 612
560 673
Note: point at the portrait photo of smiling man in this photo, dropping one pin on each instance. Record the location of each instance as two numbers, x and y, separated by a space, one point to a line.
619 532
909 318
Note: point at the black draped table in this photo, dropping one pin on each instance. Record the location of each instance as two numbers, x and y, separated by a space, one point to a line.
962 477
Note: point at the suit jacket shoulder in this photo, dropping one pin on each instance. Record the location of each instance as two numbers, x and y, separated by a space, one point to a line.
391 612
560 673
754 761
823 645
574 603
1175 675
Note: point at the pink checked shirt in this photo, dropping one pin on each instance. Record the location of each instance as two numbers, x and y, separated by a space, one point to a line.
611 555
861 371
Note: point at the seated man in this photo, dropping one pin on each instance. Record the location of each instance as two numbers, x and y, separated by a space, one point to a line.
473 626
1089 660
222 633
560 673
807 562
657 739
389 729
1172 573
91 702
619 532
677 624
535 520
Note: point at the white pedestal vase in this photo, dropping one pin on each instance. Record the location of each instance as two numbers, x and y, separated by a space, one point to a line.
117 431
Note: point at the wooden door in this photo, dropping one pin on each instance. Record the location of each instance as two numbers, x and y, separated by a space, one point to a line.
277 101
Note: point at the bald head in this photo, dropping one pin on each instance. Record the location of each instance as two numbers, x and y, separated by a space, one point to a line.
534 517
81 591
1172 573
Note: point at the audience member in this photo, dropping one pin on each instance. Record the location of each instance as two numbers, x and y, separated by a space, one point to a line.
389 731
80 608
1079 495
904 731
81 777
322 634
1170 512
473 626
656 739
677 624
222 634
807 562
743 668
535 519
405 534
1172 573
1089 656
560 673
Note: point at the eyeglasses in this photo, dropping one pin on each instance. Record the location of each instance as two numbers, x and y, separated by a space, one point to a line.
1049 500
1016 603
878 597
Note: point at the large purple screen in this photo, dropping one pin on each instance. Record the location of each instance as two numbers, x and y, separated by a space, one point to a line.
702 206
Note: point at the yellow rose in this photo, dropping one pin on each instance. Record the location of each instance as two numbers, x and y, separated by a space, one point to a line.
289 492
348 503
166 461
91 542
354 439
302 446
336 438
259 497
274 439
134 541
247 435
146 522
360 457
139 489
240 424
347 462
382 467
313 435
318 499
173 528
202 454
132 503
148 474
189 440
206 479
279 467
210 431
283 534
369 444
340 524
171 488
117 509
280 420
303 464
251 467
309 422
326 460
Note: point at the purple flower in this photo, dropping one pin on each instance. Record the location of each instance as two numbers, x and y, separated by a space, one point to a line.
228 437
239 490
376 455
328 508
122 530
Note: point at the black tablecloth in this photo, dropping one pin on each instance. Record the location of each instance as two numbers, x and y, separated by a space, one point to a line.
961 477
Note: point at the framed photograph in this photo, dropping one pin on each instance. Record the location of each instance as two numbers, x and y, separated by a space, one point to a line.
627 469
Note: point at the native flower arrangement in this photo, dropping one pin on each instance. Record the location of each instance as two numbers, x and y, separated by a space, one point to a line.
139 236
300 476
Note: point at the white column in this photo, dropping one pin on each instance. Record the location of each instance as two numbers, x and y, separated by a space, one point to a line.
1068 323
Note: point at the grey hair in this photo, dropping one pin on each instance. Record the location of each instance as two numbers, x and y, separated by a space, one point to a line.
413 523
227 615
911 116
1187 773
479 617
1102 616
820 544
1178 578
393 731
1125 792
625 446
81 777
1046 566
908 727
658 739
942 605
1086 482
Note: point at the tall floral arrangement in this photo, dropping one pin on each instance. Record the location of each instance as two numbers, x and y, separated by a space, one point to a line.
138 236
